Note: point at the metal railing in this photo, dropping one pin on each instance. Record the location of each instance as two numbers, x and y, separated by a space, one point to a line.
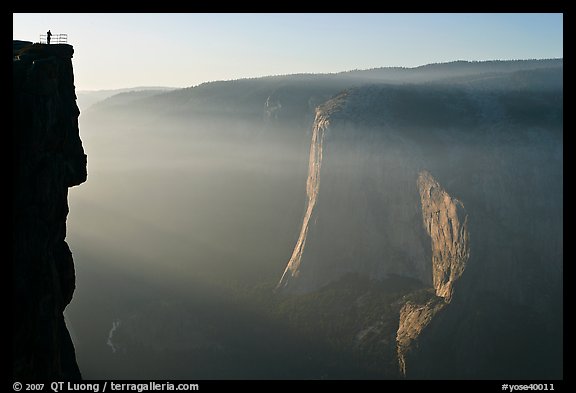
54 39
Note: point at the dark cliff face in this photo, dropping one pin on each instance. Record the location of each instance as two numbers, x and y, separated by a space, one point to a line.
48 159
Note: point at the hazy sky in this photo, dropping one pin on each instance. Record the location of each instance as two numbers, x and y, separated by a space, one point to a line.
180 50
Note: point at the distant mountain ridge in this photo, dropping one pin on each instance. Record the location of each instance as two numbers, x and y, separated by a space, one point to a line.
302 92
87 98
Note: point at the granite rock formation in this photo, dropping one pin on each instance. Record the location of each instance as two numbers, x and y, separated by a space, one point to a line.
458 184
445 220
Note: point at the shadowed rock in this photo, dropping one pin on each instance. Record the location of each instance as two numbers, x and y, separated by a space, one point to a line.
48 159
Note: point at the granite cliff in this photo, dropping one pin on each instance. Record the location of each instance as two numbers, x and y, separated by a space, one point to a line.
457 184
48 158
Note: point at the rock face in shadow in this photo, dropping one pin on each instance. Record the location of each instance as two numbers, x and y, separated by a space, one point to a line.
48 158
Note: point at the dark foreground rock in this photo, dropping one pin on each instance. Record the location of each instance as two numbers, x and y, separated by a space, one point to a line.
48 158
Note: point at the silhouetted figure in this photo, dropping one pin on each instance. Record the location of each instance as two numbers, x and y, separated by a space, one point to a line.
48 35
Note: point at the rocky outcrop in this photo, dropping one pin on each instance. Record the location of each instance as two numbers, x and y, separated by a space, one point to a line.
414 318
446 222
48 159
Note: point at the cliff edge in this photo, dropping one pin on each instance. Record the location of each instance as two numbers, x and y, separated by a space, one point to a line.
48 158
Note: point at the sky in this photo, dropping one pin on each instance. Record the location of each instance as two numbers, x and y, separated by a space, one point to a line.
113 51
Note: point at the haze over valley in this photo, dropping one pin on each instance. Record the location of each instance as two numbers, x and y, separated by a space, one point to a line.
393 222
197 197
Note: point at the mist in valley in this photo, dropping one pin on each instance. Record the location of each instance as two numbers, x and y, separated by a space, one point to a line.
196 199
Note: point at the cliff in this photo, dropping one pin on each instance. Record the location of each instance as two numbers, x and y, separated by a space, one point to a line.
321 124
457 184
48 158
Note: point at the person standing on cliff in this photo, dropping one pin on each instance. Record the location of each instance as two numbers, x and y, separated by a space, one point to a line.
48 35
